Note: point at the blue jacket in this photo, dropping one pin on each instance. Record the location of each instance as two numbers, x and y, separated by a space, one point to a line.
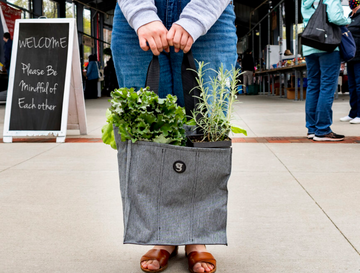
92 71
335 14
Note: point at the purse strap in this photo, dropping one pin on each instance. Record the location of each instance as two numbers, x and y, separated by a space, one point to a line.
188 75
321 1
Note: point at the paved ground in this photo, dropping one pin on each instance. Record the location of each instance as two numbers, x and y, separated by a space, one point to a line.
293 207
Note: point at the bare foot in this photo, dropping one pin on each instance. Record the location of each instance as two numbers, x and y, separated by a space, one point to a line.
154 264
199 267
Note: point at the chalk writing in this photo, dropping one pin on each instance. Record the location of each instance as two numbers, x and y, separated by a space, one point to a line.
24 105
41 87
27 70
40 106
43 42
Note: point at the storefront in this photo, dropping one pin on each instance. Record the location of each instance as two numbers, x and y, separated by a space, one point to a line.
94 25
273 29
94 21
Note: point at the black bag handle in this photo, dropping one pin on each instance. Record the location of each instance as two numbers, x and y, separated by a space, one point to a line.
188 75
320 2
153 75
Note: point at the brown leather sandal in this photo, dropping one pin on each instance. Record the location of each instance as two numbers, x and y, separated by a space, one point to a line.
200 257
161 255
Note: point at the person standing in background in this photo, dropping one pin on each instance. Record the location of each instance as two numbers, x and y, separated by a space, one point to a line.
110 78
323 70
7 51
92 77
353 66
239 77
248 69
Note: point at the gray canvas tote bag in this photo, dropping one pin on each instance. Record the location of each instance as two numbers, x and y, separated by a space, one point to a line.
173 195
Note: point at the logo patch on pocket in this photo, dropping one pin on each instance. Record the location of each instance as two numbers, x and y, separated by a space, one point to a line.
179 167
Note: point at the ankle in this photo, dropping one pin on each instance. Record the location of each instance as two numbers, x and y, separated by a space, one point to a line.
198 248
167 248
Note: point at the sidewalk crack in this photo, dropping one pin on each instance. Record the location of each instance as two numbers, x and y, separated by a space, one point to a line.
1 171
319 206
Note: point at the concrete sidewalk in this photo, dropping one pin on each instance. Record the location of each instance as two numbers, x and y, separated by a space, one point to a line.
293 208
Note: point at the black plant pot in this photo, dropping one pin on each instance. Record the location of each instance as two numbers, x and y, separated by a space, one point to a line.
190 130
193 141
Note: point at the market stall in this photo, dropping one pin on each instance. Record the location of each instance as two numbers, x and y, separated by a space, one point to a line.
289 78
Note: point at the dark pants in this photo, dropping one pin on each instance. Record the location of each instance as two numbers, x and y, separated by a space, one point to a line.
353 69
91 91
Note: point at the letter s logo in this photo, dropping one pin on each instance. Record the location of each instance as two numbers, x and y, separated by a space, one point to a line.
179 167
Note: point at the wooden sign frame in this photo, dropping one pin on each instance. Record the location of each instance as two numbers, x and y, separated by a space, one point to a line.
73 105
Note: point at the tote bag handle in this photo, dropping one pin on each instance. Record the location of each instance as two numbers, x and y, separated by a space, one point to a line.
320 2
188 76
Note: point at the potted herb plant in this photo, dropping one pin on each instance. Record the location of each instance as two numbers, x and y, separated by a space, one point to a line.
142 115
214 109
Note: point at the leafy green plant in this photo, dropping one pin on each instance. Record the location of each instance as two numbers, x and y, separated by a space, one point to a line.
142 115
214 109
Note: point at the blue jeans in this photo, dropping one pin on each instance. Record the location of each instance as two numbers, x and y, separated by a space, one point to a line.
217 47
322 72
353 69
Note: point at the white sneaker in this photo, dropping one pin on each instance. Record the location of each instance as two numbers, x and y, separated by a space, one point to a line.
310 136
347 118
355 121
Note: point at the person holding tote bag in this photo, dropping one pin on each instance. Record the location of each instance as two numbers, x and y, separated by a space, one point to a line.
353 66
168 28
322 73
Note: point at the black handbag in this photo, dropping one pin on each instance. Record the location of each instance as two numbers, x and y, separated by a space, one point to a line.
319 33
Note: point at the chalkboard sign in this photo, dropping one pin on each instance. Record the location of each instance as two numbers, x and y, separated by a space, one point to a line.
39 84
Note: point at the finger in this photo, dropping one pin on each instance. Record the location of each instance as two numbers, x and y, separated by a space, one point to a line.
183 41
143 45
153 46
188 44
177 39
170 36
159 43
165 43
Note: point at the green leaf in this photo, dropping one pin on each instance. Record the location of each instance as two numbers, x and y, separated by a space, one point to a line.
109 115
166 128
162 139
142 129
237 130
134 96
108 135
191 122
148 117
